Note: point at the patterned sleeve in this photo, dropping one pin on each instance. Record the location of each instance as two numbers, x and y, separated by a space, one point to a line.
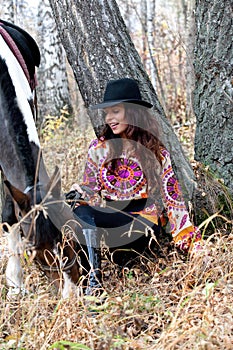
90 178
185 236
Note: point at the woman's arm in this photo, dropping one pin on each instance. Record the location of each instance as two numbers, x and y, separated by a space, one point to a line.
90 188
186 237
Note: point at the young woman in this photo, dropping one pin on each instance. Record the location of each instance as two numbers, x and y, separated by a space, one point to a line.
130 183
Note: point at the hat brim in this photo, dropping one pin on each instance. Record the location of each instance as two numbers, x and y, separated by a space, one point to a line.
116 102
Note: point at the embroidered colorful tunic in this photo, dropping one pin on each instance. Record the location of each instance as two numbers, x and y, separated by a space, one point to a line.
128 181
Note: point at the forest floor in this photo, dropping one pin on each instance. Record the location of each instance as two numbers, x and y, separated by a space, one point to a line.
163 303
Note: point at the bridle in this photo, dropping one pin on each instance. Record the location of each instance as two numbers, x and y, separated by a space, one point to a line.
65 266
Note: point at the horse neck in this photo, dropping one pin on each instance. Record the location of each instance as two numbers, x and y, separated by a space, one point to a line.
19 142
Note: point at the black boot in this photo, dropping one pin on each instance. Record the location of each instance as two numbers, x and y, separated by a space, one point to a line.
92 238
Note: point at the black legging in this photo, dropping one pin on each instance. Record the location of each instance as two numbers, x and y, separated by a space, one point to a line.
120 227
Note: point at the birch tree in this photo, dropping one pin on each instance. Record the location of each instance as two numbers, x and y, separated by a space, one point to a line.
53 88
7 10
15 11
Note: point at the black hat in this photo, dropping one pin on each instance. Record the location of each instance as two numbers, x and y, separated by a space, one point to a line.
122 90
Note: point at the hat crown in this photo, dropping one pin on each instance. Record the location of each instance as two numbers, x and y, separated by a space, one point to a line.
125 90
122 89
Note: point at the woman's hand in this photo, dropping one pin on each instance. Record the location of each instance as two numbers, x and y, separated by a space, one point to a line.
88 196
76 187
75 195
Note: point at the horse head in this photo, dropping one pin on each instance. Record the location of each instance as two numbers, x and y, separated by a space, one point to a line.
47 225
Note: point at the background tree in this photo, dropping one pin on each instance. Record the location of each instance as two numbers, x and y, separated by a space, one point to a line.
158 31
53 89
213 95
145 12
18 12
188 11
98 48
7 10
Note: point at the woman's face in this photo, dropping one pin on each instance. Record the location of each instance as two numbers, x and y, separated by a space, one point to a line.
115 118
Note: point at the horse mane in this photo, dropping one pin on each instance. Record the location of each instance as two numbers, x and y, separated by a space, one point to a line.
26 44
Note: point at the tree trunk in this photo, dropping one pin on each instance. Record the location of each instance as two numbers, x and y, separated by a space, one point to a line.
52 90
99 48
188 10
7 10
151 32
213 93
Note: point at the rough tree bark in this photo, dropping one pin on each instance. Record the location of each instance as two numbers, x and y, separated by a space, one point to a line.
213 95
98 48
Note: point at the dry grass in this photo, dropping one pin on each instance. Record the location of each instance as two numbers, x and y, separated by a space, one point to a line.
175 303
186 305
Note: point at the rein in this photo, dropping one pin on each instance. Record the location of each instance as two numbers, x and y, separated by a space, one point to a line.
68 265
57 269
32 187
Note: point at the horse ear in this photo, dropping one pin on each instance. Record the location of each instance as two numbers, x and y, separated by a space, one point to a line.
22 199
55 183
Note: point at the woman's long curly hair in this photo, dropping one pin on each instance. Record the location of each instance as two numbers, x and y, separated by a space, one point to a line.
141 139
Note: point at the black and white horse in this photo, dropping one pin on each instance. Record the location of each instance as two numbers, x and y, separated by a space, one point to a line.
32 207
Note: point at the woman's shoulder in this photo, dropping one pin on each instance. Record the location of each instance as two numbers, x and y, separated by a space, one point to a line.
164 153
93 143
97 146
96 143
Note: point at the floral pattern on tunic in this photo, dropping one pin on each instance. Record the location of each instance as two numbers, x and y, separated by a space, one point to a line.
125 181
128 181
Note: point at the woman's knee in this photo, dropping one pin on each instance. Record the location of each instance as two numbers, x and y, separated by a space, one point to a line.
85 214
